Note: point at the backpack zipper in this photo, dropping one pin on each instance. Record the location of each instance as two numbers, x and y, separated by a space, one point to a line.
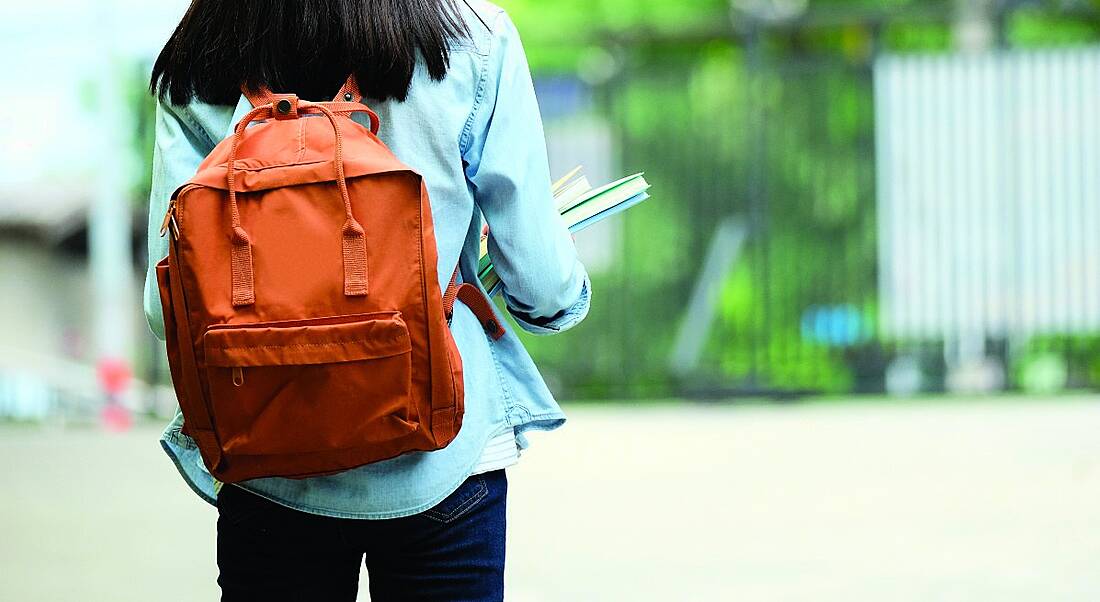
170 221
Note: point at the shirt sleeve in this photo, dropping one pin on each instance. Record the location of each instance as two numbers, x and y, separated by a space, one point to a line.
178 149
544 285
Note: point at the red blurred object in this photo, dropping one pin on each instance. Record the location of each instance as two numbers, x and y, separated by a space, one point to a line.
114 375
115 418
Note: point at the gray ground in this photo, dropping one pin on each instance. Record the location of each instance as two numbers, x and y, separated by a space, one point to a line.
994 500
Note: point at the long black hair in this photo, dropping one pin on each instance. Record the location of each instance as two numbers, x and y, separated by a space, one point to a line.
305 47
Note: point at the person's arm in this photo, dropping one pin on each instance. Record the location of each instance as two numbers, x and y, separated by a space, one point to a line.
544 285
178 149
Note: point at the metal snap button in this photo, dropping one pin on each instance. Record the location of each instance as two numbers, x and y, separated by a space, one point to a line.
283 107
347 96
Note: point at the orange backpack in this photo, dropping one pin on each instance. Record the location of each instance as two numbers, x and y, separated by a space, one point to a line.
306 331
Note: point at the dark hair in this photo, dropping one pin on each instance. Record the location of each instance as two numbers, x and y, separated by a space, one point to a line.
305 47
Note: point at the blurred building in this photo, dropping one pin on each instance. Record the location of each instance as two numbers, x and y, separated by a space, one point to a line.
67 158
988 196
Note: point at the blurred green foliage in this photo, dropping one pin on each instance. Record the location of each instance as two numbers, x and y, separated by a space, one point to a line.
784 139
573 23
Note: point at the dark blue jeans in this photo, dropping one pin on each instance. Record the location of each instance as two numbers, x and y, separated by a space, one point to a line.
453 552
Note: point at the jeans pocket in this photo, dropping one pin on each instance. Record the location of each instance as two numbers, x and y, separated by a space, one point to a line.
460 502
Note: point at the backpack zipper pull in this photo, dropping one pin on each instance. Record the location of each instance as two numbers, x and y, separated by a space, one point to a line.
170 221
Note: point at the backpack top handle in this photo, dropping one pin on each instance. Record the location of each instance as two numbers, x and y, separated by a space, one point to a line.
353 234
349 93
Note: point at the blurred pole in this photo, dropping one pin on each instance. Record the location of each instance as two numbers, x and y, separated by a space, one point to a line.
695 326
757 192
974 31
110 254
975 27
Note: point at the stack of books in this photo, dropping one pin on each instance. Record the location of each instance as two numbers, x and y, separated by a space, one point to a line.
580 206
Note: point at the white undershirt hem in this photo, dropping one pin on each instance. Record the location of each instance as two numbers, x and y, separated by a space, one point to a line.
501 451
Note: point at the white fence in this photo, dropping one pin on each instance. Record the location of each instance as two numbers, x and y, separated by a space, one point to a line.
989 194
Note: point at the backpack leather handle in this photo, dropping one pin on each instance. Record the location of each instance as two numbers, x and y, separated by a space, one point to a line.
354 236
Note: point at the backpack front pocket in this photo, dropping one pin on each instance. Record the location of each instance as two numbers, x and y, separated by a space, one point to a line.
309 386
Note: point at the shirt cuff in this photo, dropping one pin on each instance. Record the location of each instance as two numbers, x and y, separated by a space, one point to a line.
561 322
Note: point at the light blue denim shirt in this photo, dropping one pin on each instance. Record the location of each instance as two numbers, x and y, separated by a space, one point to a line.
477 139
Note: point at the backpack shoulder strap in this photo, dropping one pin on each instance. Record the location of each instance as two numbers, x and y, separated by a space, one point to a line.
478 303
257 98
349 92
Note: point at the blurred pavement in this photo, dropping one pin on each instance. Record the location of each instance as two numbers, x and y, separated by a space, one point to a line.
994 500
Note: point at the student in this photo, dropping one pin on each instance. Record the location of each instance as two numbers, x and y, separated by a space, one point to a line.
451 83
